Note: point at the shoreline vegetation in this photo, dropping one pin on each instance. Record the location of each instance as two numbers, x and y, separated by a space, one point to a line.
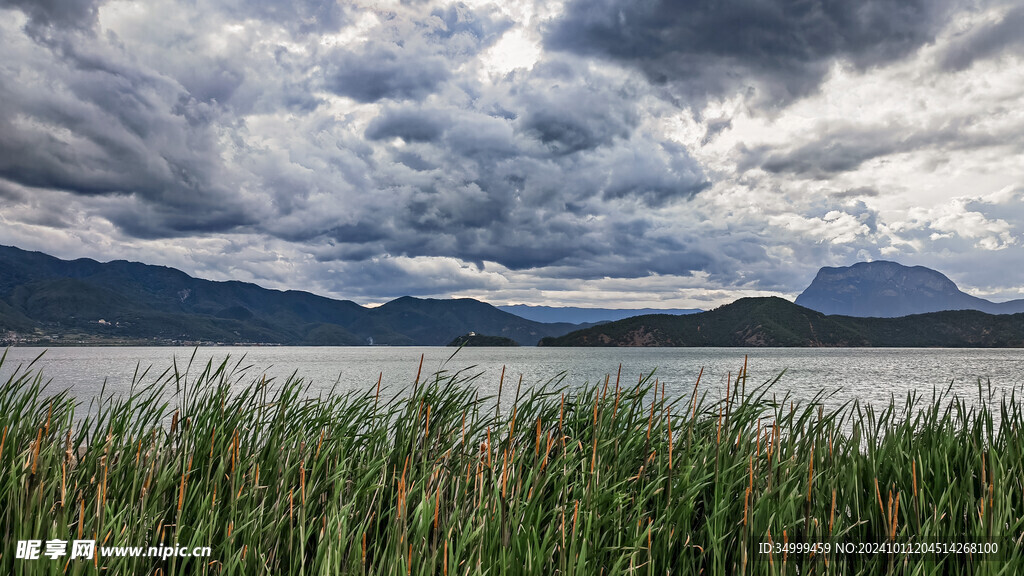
603 478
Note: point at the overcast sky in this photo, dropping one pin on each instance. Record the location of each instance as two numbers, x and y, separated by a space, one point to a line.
616 153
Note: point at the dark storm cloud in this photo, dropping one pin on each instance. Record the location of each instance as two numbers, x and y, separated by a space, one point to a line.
411 58
216 81
9 192
63 14
299 16
861 192
841 151
655 178
569 111
385 71
96 125
985 41
412 124
709 47
836 147
154 220
527 178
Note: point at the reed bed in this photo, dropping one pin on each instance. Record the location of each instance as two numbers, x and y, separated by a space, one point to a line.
598 479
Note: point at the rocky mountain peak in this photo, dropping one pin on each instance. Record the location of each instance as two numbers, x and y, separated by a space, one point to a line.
890 289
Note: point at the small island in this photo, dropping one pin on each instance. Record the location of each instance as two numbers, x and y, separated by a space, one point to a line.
474 339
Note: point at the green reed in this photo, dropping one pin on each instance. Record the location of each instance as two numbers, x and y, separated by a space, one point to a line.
599 479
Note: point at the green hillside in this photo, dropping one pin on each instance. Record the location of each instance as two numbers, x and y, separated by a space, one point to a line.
778 322
45 300
473 339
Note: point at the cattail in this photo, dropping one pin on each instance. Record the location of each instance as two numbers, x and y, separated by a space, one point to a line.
913 471
501 384
669 418
418 371
650 421
889 515
593 456
728 382
695 385
746 502
426 430
181 492
718 436
878 493
364 548
2 442
896 514
35 452
489 447
536 449
504 470
302 480
437 505
810 474
446 557
832 513
575 513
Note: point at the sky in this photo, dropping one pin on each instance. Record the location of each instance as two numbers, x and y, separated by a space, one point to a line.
610 153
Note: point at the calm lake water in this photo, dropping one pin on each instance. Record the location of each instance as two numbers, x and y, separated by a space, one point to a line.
871 374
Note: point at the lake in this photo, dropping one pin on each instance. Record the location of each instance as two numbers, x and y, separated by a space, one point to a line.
871 374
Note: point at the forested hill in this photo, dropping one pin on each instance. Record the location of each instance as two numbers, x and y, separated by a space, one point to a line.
778 322
48 301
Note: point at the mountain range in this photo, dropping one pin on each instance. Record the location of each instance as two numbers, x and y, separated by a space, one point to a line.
575 315
46 300
777 322
888 289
